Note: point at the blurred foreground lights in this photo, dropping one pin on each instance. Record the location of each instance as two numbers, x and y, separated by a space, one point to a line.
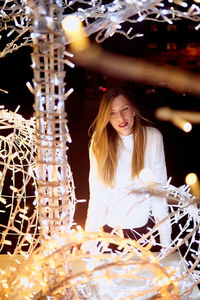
192 180
72 23
73 29
25 282
187 127
182 124
181 119
146 175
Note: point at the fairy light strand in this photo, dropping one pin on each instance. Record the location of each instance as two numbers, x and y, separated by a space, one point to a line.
102 19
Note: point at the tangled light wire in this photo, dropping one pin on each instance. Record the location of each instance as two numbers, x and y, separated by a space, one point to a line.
102 19
59 267
131 273
18 183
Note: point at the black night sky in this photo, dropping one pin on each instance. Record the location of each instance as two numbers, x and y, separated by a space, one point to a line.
182 149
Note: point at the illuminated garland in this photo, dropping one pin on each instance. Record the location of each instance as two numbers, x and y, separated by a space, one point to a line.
103 19
18 182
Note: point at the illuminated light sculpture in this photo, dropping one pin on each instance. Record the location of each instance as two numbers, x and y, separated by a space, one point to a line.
55 183
56 197
49 269
132 272
19 214
96 277
102 19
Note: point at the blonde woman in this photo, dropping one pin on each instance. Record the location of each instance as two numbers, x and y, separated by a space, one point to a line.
122 145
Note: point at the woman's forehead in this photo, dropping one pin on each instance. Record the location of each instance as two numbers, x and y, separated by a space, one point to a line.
119 101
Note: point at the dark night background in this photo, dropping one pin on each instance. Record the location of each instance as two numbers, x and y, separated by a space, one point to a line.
182 149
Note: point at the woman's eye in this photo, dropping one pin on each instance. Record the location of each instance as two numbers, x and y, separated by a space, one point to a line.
112 113
125 108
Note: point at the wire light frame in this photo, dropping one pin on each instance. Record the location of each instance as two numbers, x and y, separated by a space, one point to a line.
55 183
19 213
56 197
101 19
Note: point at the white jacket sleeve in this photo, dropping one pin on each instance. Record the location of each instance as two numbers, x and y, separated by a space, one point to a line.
98 194
159 205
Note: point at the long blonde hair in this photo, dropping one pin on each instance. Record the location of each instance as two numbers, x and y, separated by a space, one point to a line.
105 139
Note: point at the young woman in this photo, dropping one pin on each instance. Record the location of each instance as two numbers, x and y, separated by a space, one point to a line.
122 145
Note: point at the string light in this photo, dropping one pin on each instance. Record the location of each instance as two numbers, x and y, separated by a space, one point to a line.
34 263
52 255
104 16
17 153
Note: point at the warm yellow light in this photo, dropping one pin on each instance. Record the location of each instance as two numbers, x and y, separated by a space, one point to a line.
193 181
14 189
23 217
6 92
79 235
5 285
29 237
197 1
3 200
24 281
7 242
79 228
191 178
73 29
72 23
182 124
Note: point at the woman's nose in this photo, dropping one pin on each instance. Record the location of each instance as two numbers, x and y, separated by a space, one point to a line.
121 115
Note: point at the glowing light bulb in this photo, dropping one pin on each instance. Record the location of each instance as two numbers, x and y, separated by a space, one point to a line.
5 285
197 27
192 180
73 29
164 11
7 242
182 124
3 200
72 23
24 281
187 127
79 235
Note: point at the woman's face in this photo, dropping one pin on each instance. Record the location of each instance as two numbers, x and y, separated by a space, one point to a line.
122 115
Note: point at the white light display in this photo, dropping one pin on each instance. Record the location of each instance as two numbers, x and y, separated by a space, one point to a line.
18 182
103 19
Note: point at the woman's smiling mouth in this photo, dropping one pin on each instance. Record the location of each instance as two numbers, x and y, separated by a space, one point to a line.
122 125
